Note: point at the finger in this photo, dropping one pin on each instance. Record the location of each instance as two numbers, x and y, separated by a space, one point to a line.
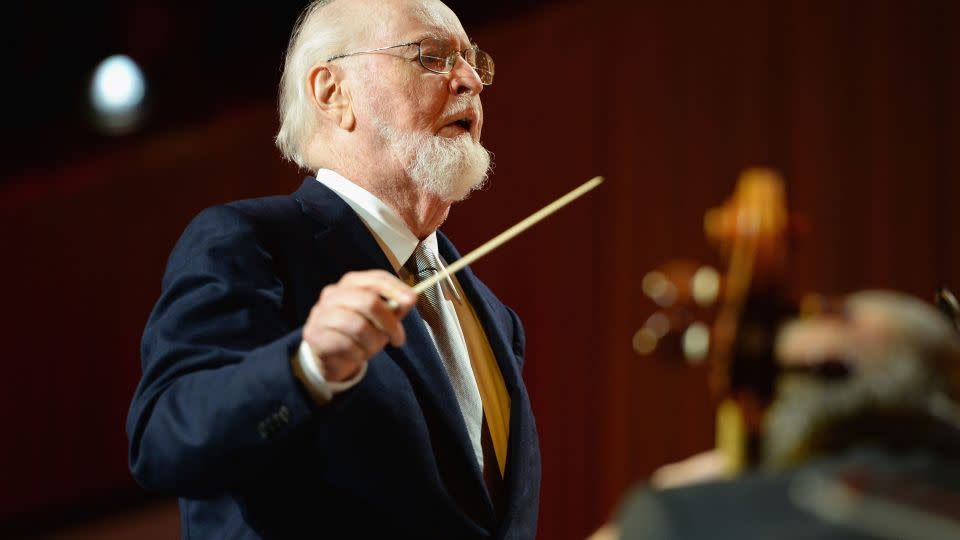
398 294
385 284
357 327
328 343
372 306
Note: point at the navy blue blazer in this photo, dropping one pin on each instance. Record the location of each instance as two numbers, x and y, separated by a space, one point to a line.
220 420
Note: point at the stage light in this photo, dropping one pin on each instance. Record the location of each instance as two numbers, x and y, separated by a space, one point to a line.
117 90
658 287
696 342
655 284
659 323
645 341
705 286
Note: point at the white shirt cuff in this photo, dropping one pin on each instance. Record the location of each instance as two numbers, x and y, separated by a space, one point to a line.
313 370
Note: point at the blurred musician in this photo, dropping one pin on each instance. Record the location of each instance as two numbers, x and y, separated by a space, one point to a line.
862 439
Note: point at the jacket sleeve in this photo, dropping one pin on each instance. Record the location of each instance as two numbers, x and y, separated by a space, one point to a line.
217 402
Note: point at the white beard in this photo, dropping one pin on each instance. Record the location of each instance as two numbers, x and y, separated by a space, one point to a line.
449 169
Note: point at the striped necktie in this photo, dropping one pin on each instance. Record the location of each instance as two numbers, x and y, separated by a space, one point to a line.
447 335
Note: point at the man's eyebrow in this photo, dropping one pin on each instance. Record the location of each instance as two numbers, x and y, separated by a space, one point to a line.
441 34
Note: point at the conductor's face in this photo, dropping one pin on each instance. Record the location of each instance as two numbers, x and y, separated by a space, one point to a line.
414 96
419 97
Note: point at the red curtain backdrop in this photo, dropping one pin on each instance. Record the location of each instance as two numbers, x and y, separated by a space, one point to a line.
853 101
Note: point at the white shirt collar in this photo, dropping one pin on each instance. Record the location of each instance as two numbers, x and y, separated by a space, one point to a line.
390 231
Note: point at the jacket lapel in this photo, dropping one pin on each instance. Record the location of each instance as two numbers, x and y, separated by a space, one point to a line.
346 245
483 301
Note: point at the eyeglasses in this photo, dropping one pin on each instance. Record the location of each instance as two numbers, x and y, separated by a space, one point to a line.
440 55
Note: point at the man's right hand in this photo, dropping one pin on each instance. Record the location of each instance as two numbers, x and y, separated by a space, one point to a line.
351 321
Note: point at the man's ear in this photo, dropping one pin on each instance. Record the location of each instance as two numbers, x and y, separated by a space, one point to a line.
330 97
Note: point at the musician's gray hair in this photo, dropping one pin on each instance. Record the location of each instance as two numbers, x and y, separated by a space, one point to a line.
909 368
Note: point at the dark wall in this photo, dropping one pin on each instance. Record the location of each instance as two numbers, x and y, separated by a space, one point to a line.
85 248
852 101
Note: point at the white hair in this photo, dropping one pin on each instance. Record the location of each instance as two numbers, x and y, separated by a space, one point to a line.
317 35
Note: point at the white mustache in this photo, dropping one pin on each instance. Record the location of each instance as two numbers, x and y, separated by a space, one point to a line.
461 105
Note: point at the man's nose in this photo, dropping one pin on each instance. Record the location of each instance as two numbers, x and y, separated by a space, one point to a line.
465 79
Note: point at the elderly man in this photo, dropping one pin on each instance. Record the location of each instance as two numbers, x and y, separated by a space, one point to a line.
293 385
867 407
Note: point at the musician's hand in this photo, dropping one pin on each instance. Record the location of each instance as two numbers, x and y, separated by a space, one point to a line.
351 321
607 532
702 467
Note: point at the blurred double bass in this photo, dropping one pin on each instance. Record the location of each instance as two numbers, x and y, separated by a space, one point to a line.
754 234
